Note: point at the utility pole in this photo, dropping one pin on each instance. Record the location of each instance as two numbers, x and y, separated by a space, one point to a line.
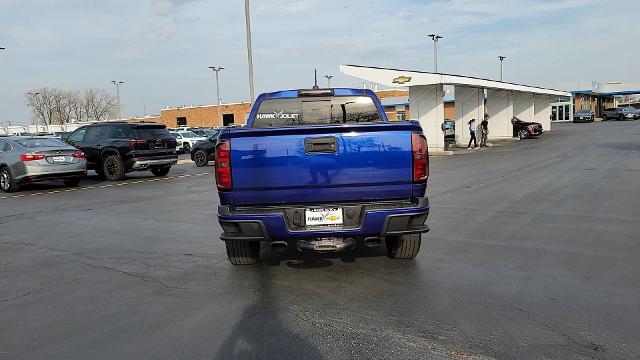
247 20
435 39
217 70
501 58
329 77
117 84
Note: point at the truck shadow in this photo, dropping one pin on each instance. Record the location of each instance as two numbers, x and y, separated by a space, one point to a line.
261 331
303 260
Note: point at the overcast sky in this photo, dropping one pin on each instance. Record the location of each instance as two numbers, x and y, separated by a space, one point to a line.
161 48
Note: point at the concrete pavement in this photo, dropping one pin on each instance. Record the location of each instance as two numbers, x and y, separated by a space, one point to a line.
533 254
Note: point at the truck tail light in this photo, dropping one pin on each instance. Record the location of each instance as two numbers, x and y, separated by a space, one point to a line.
420 155
31 157
223 165
78 155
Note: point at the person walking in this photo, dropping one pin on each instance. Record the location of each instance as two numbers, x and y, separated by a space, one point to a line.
484 130
472 131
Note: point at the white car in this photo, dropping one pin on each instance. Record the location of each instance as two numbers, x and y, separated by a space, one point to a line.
185 140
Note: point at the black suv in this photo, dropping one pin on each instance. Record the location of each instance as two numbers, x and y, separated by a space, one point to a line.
114 149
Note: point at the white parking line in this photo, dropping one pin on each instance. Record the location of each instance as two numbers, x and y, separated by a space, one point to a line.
105 186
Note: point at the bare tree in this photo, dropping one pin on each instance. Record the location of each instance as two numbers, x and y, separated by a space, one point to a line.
41 105
57 106
99 104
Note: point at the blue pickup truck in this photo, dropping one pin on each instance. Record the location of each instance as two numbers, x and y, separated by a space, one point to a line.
324 170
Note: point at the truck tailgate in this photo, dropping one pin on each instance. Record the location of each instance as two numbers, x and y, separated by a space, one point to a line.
318 164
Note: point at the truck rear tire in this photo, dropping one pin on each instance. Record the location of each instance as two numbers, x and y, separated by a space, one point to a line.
403 246
242 252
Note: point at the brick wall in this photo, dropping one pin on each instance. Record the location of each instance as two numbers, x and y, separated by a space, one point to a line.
202 116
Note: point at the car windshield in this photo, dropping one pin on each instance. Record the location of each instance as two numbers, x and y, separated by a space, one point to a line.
188 134
303 111
583 112
41 142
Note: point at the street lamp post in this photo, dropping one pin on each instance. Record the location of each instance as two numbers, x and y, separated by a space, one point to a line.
249 54
501 58
329 77
217 70
435 39
117 84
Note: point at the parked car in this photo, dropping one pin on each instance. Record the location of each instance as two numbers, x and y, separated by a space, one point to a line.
323 169
620 113
583 115
525 129
205 151
26 160
186 139
114 149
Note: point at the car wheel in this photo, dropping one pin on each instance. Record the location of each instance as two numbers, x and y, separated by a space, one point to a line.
604 117
72 182
523 134
621 117
163 171
241 252
200 158
403 246
7 182
113 168
186 148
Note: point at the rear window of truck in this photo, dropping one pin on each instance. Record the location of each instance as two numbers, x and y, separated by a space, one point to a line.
316 111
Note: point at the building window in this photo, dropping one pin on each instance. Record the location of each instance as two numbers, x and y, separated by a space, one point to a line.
181 121
566 112
227 119
401 116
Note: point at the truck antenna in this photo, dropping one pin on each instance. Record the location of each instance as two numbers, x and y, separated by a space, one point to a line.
315 75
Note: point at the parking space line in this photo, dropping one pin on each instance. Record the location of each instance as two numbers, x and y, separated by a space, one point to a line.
105 185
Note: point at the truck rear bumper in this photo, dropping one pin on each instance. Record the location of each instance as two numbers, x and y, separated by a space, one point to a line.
372 220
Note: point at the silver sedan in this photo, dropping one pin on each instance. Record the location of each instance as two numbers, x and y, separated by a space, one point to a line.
25 160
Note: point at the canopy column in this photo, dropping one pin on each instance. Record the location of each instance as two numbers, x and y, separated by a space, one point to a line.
500 110
469 105
427 106
542 109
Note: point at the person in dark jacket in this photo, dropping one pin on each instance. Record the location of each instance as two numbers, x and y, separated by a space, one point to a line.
472 131
484 130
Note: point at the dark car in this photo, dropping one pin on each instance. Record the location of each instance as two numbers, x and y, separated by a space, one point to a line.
114 149
583 115
204 151
525 129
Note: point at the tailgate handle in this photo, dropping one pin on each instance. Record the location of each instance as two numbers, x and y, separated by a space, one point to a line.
325 145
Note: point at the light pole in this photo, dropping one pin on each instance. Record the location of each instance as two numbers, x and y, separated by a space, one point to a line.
329 77
217 70
501 58
117 84
435 39
247 20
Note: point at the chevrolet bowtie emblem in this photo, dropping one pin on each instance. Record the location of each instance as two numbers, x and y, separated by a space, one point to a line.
401 80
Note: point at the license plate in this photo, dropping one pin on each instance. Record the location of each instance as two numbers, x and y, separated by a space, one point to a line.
59 159
329 216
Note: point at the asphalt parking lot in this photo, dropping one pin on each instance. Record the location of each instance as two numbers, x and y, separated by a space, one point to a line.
533 254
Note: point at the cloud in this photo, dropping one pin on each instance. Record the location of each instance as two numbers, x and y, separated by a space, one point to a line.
169 7
286 7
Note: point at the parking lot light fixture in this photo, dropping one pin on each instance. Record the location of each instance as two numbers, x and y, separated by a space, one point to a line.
329 77
501 58
435 39
117 84
217 71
